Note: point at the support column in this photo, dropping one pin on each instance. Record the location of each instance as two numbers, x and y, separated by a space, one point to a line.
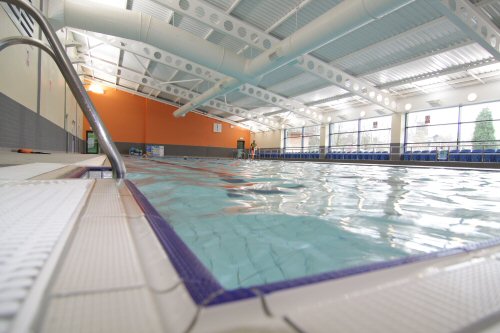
397 136
323 139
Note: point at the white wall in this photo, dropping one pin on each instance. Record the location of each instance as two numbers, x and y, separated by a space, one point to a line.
19 67
270 139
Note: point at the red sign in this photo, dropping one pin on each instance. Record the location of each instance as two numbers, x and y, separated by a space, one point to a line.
427 119
375 124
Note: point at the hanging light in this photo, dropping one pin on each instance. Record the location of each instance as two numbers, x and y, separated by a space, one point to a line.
96 88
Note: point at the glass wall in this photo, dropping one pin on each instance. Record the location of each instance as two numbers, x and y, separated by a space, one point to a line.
363 134
480 125
434 128
302 139
467 127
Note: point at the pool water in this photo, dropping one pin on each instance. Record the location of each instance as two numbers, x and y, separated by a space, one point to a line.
257 222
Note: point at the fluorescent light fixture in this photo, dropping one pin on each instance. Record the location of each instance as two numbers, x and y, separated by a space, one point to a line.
96 88
408 106
472 97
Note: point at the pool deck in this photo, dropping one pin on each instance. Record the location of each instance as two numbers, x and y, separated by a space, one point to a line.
87 260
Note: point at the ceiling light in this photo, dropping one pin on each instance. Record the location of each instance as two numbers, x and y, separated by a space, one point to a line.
472 97
96 88
308 111
260 119
408 106
329 119
371 94
320 117
362 114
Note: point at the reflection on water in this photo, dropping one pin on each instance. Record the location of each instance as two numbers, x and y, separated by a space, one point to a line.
255 222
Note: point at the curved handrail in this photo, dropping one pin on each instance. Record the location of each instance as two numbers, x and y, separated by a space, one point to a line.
62 60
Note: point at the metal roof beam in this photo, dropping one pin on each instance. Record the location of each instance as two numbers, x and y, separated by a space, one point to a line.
168 59
261 40
468 19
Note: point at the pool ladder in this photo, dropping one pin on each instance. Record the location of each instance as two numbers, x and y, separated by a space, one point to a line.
57 52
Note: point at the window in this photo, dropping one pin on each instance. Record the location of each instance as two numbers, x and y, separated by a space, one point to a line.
366 134
375 131
432 128
344 134
311 140
480 126
468 127
303 138
293 138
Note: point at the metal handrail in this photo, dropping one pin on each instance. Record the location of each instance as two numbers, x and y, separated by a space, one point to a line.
62 60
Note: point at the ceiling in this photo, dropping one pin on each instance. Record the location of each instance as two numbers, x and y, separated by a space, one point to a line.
421 47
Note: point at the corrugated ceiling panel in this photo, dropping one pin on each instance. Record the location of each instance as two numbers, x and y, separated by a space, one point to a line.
234 96
249 102
161 72
320 94
490 9
152 8
190 81
226 41
133 62
436 35
263 13
191 25
105 77
300 84
406 18
128 84
106 52
456 57
281 74
221 4
305 15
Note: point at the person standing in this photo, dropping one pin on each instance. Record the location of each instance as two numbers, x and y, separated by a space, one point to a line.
253 146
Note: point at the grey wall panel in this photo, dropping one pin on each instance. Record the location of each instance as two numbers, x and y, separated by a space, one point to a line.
23 128
178 150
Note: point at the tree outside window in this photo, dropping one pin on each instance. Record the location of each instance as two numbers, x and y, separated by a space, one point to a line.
484 132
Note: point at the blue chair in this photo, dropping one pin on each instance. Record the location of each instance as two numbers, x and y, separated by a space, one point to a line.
497 156
489 155
432 155
476 155
416 155
407 155
385 156
465 155
454 155
424 155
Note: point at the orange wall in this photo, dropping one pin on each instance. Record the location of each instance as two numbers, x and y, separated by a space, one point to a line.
131 118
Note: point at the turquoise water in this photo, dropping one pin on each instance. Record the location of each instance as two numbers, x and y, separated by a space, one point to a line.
256 222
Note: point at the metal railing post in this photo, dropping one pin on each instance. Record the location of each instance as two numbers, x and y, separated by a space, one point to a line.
66 67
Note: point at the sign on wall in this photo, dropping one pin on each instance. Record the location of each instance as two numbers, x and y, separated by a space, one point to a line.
218 128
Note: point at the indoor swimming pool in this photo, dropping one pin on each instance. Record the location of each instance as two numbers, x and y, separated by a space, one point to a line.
259 222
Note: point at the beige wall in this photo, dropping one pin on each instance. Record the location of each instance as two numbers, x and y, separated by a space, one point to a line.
19 67
270 139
